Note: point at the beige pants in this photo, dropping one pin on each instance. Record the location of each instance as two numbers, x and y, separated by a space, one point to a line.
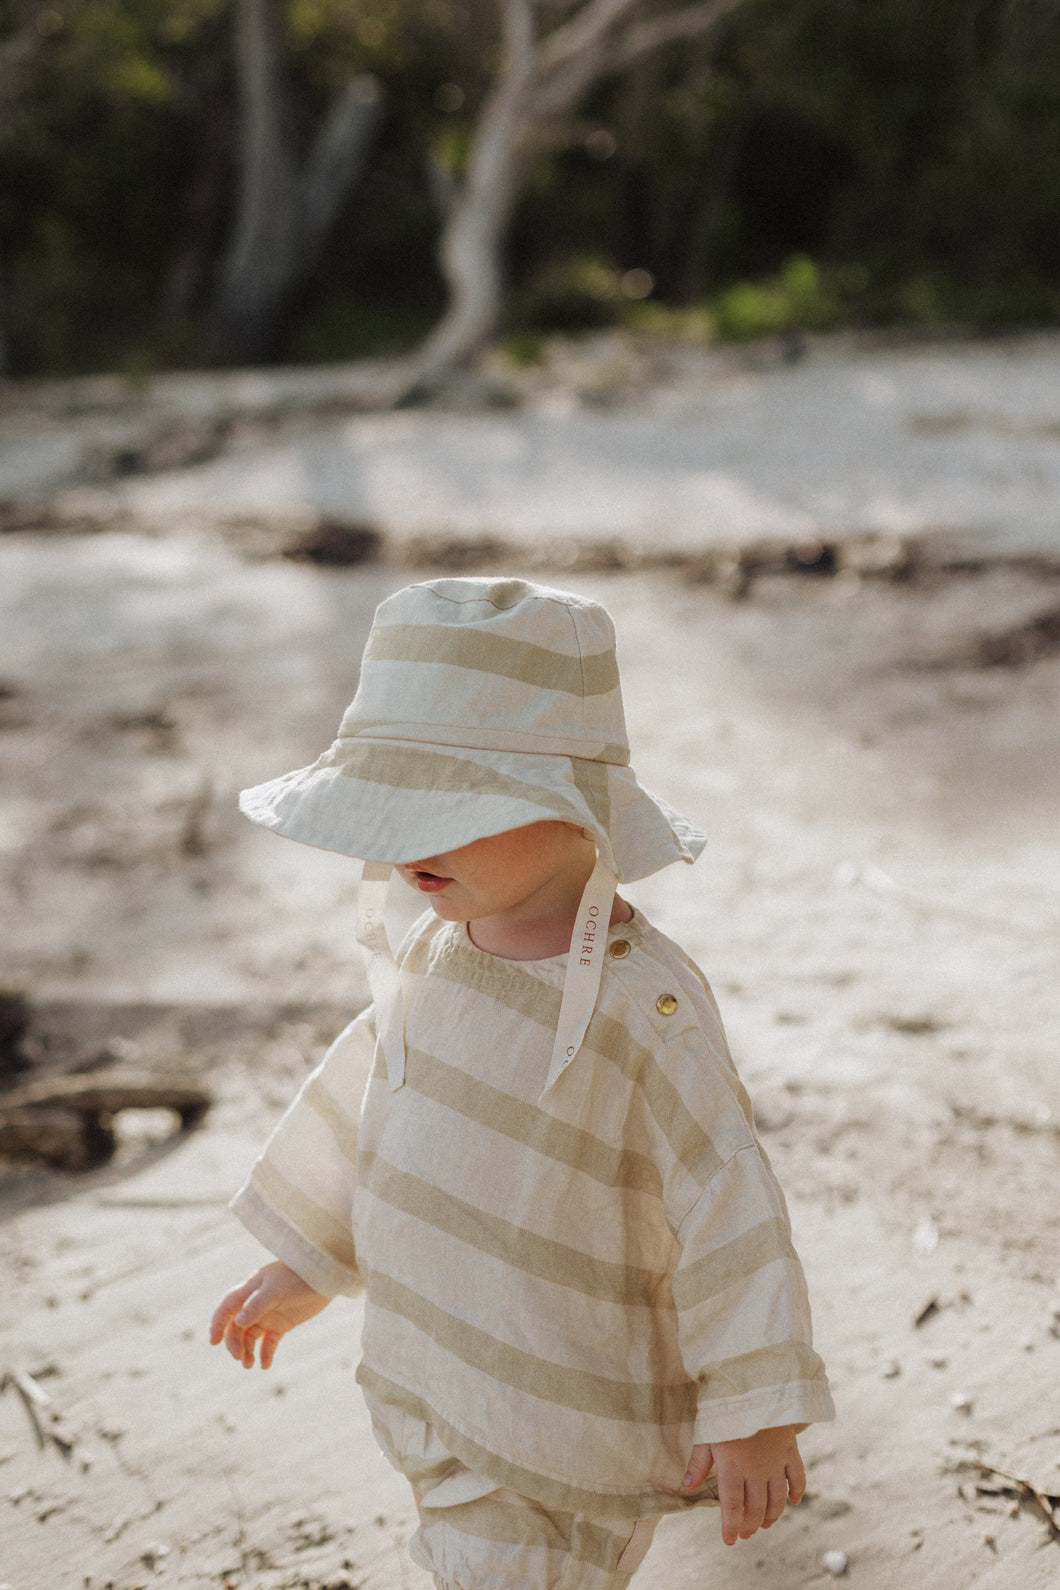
475 1535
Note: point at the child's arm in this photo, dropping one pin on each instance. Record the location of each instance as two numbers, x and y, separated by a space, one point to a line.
757 1476
269 1303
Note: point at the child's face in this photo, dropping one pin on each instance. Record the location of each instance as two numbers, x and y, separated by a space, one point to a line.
526 874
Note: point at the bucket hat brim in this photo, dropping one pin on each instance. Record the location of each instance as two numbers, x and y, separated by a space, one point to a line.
392 800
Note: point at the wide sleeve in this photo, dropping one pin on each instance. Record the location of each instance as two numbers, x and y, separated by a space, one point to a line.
743 1309
298 1198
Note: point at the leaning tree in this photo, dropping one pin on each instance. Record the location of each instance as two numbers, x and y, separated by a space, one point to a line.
546 70
544 76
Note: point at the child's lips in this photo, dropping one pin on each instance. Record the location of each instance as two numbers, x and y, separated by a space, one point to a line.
429 882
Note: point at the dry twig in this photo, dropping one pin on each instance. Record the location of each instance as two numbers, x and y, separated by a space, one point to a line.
37 1402
1043 1503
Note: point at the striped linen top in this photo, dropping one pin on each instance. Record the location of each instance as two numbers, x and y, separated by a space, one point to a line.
573 1286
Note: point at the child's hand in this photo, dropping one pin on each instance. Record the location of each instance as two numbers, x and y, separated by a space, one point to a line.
269 1304
756 1478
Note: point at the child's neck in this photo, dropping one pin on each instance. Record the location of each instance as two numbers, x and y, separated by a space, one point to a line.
535 938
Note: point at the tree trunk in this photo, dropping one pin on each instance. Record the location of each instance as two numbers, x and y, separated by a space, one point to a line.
473 236
540 81
283 215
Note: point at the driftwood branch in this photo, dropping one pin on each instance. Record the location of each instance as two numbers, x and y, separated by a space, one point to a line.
68 1121
997 1482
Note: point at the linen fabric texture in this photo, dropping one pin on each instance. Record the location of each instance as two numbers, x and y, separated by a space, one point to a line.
483 705
476 1535
570 1287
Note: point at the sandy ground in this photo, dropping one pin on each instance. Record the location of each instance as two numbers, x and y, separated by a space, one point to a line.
878 910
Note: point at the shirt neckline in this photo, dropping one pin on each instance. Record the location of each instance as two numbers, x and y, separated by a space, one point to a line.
630 930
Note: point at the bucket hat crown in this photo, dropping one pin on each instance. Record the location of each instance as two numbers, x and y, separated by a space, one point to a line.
483 705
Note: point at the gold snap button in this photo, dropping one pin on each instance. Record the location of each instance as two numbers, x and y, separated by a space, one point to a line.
619 949
666 1004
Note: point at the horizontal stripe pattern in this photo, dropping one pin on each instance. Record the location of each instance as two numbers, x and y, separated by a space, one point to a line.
500 1537
567 1288
520 992
638 1502
572 1389
540 667
441 771
549 1260
529 1126
316 1224
479 718
732 1263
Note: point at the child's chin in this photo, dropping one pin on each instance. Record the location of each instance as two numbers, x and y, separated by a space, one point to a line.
446 910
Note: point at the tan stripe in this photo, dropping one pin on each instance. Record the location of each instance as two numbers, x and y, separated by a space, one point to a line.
402 767
576 1389
539 666
530 1126
688 1139
356 727
505 1523
760 1370
529 996
591 779
521 1522
342 1128
643 1503
542 1257
737 1261
502 981
307 1217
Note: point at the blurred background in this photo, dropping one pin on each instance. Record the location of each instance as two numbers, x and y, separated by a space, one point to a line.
215 181
741 316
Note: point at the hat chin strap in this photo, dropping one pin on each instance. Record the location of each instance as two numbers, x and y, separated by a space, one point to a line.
585 965
581 986
384 979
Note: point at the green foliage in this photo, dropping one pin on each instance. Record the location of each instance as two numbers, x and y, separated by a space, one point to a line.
819 163
802 297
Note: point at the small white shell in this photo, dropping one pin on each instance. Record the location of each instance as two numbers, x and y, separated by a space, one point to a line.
835 1562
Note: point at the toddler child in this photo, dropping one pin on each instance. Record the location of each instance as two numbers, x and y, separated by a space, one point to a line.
582 1306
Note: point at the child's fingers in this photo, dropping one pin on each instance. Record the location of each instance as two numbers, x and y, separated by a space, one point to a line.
269 1343
250 1342
796 1474
755 1505
776 1503
228 1307
233 1340
730 1495
699 1466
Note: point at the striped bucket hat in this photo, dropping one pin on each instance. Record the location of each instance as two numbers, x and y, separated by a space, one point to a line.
483 705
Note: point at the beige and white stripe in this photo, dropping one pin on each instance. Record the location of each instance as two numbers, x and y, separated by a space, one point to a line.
483 705
570 1287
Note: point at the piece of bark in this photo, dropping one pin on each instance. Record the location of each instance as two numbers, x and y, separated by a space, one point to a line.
106 1095
67 1121
67 1139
